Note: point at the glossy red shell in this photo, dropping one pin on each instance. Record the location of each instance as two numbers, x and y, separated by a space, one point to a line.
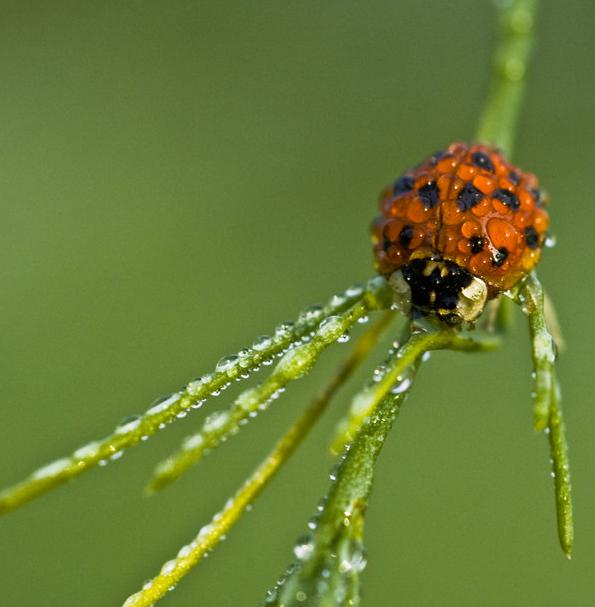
467 205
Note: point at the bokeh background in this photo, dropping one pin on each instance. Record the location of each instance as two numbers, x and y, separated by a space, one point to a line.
178 177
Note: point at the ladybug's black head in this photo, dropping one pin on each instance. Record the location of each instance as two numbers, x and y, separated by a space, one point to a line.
440 288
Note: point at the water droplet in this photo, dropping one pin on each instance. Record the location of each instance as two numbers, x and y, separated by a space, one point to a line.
245 358
87 451
356 559
168 567
227 364
53 469
304 548
337 301
194 387
128 424
184 551
216 421
344 338
163 403
117 455
301 596
353 291
262 343
331 328
402 386
192 442
362 320
132 600
297 362
310 315
426 356
284 330
378 373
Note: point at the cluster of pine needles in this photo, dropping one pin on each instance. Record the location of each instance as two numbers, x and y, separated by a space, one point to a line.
329 559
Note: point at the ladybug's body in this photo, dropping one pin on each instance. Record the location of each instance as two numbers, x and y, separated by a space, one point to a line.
461 228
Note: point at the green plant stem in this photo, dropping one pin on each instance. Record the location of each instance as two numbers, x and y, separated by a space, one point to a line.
543 349
547 405
221 425
499 118
401 361
319 573
497 126
398 365
208 537
561 472
340 526
375 295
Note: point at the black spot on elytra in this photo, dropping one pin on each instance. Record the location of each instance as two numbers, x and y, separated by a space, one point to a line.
406 235
481 160
468 197
477 243
532 237
507 198
429 194
514 177
500 256
403 184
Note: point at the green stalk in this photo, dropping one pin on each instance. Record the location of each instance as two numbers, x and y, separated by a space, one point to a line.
326 573
499 118
547 404
210 535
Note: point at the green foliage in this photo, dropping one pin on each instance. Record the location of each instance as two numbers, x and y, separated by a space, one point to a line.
331 556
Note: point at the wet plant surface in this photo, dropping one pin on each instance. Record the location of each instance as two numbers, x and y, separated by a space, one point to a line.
289 355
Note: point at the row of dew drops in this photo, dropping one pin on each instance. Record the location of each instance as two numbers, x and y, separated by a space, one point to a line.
347 556
287 336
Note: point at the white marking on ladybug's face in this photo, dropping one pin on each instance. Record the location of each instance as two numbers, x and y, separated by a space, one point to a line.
472 300
402 291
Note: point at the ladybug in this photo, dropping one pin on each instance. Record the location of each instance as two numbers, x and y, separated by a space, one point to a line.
458 230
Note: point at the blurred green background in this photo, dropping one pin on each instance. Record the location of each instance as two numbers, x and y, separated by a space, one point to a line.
177 178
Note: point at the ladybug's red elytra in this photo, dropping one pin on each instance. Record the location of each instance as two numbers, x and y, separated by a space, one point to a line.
459 229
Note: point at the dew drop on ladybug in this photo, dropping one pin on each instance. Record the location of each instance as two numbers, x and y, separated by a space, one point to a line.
458 230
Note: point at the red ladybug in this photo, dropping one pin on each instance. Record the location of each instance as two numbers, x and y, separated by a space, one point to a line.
459 229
